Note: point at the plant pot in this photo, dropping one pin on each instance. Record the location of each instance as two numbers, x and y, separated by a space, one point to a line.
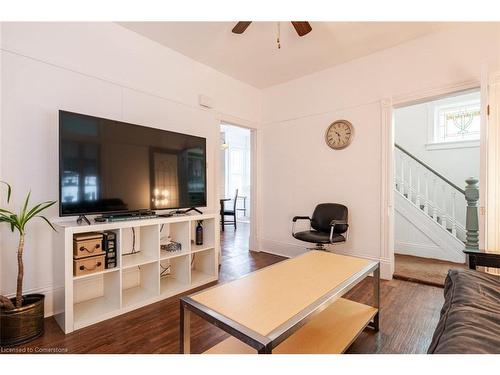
19 326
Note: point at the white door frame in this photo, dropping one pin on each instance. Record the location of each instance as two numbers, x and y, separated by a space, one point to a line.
387 106
492 206
255 145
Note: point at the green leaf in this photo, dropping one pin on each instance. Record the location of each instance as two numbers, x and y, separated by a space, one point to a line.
25 207
15 220
39 208
4 217
12 220
6 211
9 190
48 222
33 212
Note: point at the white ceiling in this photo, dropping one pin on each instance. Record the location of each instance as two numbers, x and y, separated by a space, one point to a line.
253 56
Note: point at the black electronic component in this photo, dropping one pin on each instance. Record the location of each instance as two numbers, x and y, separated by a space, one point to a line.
109 246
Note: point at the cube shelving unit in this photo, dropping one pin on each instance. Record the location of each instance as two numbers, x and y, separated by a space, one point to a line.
144 274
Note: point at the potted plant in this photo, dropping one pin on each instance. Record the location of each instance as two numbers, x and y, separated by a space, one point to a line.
21 317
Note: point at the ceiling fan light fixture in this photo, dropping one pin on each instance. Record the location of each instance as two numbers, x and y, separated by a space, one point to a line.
301 27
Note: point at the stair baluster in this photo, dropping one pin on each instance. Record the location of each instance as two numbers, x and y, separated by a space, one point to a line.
426 200
443 211
453 218
396 175
410 186
417 198
434 200
403 182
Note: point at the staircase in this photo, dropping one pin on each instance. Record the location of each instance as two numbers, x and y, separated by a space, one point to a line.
433 210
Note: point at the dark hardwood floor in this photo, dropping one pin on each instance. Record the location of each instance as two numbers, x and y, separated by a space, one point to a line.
409 314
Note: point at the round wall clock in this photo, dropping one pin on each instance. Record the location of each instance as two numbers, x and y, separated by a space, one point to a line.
339 134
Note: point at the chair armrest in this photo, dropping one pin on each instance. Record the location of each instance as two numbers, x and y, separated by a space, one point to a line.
332 227
335 222
295 218
480 259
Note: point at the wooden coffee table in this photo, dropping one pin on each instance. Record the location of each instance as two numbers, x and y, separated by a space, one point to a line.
294 306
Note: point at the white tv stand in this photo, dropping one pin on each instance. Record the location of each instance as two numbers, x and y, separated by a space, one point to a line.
136 281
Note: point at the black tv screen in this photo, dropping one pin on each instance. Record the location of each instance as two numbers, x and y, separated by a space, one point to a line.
108 166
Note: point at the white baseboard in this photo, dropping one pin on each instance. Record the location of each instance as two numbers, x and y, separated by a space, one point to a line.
49 292
283 249
290 250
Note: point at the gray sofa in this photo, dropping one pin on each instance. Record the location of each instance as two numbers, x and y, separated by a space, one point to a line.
470 317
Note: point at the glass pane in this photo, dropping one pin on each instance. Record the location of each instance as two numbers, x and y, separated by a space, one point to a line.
459 123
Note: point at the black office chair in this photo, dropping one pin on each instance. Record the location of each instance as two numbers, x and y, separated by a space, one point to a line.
224 212
328 226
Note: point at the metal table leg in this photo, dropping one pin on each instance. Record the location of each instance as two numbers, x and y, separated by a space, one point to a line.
376 298
185 329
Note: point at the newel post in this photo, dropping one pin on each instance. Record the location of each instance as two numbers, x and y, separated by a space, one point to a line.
472 216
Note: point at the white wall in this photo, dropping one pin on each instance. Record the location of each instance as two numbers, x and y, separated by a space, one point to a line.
104 70
299 170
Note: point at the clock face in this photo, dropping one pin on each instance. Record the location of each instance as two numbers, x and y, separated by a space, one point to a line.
339 134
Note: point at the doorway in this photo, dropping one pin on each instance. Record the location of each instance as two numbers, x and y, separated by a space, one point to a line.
235 186
436 153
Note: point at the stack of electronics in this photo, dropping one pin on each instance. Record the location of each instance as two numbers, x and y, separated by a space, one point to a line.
88 253
109 245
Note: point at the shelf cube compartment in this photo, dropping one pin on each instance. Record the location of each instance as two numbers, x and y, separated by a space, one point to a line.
203 267
95 297
140 245
174 275
178 232
208 235
140 283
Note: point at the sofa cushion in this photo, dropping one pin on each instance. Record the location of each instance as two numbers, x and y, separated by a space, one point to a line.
470 317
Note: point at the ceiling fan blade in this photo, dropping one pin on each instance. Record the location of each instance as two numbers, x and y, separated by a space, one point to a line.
302 27
241 26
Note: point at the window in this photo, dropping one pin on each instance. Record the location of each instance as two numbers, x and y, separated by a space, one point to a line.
455 122
459 123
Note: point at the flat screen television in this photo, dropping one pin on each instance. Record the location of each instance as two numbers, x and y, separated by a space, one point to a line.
109 167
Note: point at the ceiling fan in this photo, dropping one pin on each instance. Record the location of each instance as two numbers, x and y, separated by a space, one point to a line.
301 27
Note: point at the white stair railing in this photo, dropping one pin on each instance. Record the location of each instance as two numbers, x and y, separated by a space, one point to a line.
429 191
